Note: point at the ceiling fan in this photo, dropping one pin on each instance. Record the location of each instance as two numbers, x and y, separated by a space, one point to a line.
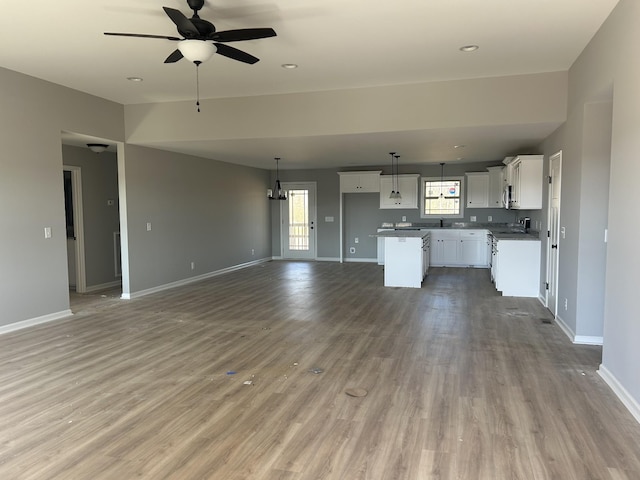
199 39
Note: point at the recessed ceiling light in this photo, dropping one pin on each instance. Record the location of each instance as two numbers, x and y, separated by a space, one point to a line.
469 48
289 66
134 79
459 146
460 158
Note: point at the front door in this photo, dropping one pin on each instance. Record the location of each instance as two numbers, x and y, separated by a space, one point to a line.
299 221
555 165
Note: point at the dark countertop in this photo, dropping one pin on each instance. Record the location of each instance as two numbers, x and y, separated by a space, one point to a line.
502 231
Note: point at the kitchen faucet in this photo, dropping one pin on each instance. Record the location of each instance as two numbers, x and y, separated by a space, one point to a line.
441 223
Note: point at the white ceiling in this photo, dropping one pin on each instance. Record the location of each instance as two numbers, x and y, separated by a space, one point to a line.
336 43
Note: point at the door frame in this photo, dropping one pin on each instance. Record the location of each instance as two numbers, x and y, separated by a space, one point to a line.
78 223
312 216
555 157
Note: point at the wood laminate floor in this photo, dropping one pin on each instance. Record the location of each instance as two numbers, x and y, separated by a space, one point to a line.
462 384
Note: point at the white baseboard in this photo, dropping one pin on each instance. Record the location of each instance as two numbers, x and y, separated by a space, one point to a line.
565 328
625 397
578 339
12 327
328 259
187 281
587 340
103 286
362 260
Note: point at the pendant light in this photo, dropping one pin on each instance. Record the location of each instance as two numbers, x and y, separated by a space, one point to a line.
398 196
277 193
441 179
393 185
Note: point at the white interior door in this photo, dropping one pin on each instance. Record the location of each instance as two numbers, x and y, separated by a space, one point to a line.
298 215
555 165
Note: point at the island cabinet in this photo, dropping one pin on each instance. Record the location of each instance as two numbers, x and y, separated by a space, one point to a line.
477 189
408 187
360 182
404 259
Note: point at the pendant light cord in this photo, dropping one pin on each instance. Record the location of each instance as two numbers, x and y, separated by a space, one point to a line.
198 85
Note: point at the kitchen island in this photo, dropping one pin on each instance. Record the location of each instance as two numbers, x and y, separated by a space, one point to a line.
406 257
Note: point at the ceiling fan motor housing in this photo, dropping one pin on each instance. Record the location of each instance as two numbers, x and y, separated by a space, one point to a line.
195 4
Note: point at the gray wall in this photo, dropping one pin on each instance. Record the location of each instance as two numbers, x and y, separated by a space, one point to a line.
362 214
99 184
604 67
33 270
202 211
600 172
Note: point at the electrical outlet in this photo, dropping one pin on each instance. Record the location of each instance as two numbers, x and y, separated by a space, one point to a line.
404 218
352 250
47 232
148 226
193 265
356 240
489 218
472 218
253 251
566 304
563 232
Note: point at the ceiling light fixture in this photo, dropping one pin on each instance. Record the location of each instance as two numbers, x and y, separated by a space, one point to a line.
197 51
459 146
398 196
469 48
289 66
280 194
441 179
393 186
135 79
97 147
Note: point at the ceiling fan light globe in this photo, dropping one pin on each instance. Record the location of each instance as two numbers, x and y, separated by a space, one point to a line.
197 50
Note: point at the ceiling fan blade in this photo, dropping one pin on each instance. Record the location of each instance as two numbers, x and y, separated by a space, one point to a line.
174 57
242 34
235 54
142 35
185 26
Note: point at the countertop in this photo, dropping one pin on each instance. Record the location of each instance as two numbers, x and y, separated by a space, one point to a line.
401 234
502 231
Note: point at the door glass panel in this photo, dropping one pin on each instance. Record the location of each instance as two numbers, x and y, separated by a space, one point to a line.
298 220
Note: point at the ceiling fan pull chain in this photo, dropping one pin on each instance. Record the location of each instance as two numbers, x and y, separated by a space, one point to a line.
197 85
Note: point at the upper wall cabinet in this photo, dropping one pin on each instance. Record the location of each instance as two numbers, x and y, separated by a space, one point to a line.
477 189
360 182
526 181
408 187
496 187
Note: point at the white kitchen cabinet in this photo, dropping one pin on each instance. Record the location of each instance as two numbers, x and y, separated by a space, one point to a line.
473 248
477 189
517 268
360 182
444 248
408 187
526 181
496 187
459 248
403 261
